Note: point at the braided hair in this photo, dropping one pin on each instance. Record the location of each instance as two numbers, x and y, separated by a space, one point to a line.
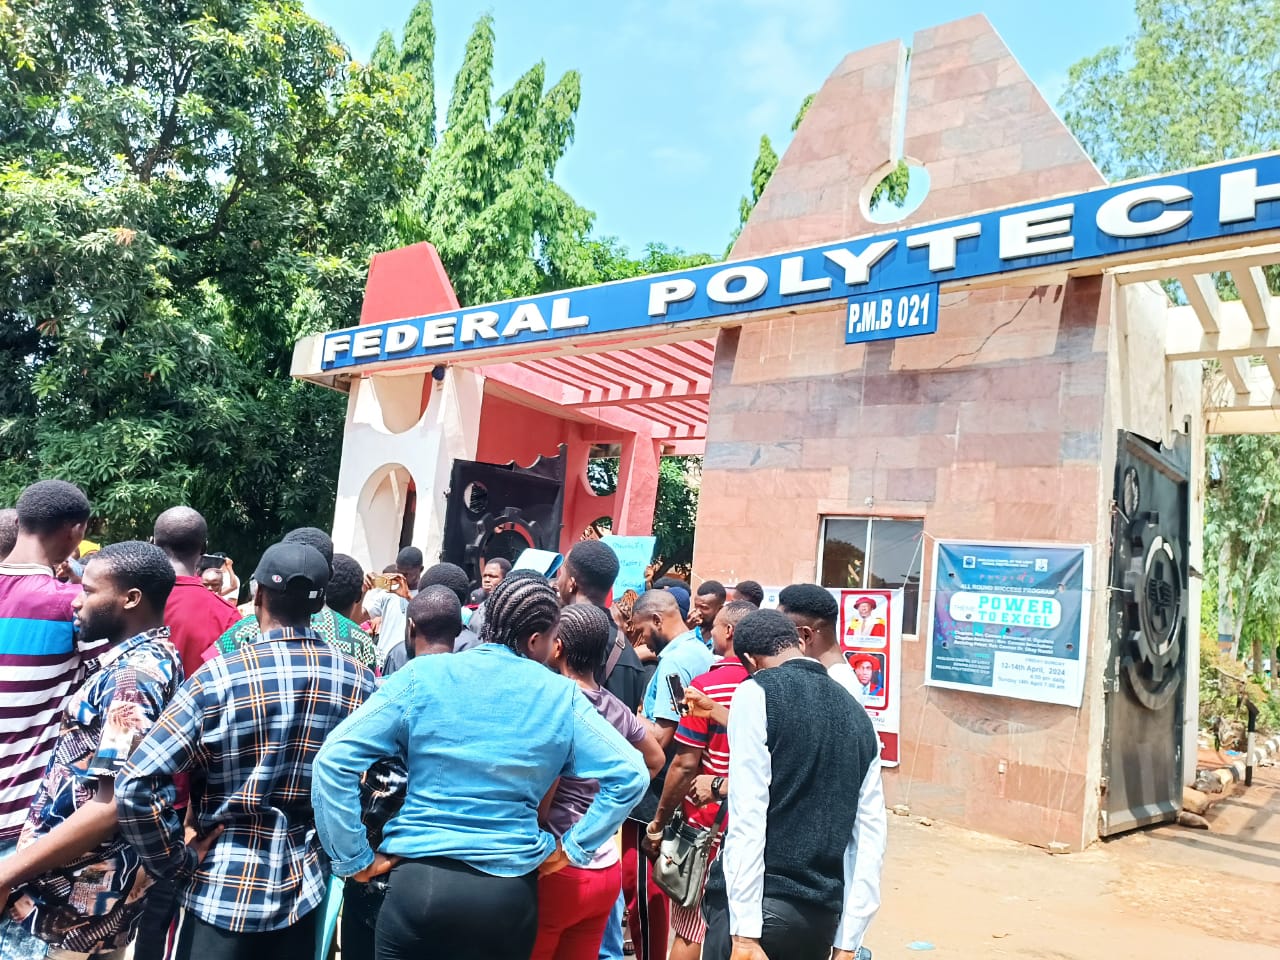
584 633
521 605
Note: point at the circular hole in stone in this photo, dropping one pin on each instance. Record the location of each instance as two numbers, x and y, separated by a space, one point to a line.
894 193
476 497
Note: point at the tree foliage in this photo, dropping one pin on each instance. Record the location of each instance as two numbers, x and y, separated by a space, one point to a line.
1198 83
676 513
486 195
185 189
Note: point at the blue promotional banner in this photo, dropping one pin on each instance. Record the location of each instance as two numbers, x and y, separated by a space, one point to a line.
888 316
634 557
1010 620
1225 200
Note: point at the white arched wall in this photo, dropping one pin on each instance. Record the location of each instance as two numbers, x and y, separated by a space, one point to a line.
385 446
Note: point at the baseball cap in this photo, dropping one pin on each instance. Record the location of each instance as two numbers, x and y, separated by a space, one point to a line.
293 568
682 599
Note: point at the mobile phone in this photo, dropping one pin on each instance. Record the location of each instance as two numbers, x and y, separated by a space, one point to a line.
213 560
676 686
381 581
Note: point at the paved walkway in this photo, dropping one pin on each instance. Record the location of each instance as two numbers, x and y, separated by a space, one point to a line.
1167 892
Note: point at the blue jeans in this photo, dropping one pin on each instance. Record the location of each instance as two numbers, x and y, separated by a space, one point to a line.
611 945
15 942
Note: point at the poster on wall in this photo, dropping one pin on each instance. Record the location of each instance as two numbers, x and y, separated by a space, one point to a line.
870 631
1010 619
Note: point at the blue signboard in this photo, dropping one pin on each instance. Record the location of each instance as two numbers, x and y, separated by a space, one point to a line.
1229 199
1010 620
897 313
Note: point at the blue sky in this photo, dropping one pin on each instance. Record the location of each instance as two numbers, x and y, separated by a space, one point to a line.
676 93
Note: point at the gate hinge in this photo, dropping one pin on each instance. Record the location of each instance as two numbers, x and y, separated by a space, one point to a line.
1103 784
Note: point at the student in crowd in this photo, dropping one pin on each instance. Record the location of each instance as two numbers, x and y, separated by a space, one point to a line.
37 640
211 580
575 904
452 576
409 565
804 770
494 572
386 603
345 593
248 725
748 590
8 531
815 613
484 735
76 885
586 577
702 751
435 620
707 603
435 617
333 628
195 617
681 655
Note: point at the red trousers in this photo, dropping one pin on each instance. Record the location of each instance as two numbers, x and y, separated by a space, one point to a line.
648 908
573 907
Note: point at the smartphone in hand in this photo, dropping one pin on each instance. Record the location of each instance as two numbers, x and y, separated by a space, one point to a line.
676 686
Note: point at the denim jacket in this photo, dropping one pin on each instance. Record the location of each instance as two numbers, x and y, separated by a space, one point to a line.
484 734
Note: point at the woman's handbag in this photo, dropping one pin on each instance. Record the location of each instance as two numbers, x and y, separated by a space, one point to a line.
685 855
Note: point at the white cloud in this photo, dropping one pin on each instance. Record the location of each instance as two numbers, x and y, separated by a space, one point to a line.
681 161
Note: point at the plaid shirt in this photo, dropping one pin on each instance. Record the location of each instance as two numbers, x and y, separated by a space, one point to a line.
249 725
332 627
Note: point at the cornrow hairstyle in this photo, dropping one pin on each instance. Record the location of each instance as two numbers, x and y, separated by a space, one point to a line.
134 564
521 605
584 633
626 604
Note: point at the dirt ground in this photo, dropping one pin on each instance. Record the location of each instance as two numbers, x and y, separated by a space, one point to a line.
1158 893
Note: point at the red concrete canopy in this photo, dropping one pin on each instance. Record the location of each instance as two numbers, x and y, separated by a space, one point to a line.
659 391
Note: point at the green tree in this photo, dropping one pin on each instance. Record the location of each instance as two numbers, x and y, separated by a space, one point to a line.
892 189
1197 83
185 189
676 511
486 196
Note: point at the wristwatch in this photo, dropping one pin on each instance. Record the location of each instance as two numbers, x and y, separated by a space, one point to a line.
716 784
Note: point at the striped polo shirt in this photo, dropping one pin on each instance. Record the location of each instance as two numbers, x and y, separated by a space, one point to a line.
39 667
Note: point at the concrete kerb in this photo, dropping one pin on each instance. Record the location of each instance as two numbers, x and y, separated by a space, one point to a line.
1218 783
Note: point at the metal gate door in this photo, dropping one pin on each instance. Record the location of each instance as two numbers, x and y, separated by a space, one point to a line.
1147 662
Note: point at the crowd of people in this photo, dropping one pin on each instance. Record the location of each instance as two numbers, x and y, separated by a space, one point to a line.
493 770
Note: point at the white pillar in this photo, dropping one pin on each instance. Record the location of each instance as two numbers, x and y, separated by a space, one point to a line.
386 444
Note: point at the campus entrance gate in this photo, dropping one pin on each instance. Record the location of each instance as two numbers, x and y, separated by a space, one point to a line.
1147 657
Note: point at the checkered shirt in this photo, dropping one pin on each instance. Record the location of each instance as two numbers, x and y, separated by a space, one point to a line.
248 727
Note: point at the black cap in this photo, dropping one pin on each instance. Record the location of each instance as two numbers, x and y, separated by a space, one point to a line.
293 568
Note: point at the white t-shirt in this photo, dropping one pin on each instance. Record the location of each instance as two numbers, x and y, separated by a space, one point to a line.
844 675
